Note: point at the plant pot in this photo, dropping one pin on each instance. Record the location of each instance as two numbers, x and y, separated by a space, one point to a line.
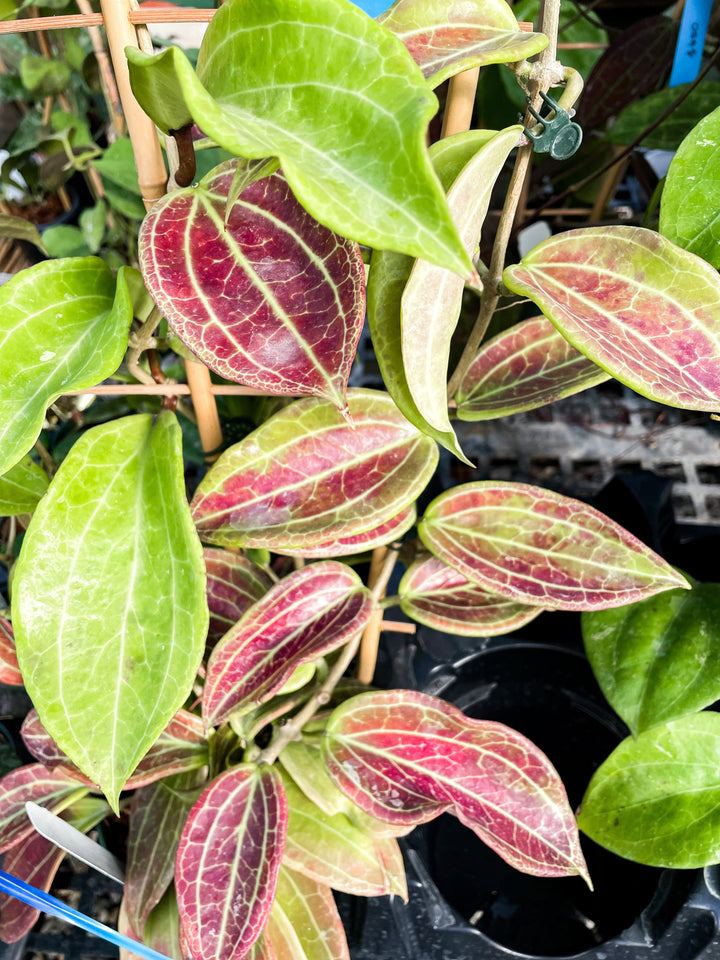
465 901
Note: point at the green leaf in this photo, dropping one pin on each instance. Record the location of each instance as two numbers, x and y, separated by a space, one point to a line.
21 488
446 38
643 309
20 229
92 224
304 922
658 659
44 77
117 165
66 241
271 79
109 602
63 326
656 800
668 135
690 208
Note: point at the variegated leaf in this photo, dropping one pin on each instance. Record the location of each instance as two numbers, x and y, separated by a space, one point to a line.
522 368
309 613
9 669
445 37
234 583
307 477
407 757
228 861
387 532
293 318
538 547
440 597
49 788
304 923
331 850
640 307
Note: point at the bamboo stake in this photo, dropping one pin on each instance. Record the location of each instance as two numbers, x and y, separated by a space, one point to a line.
460 102
107 77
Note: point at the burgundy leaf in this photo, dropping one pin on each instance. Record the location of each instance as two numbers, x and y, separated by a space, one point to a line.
634 65
228 860
307 478
157 817
361 542
9 670
234 583
273 300
50 788
438 596
538 547
306 615
406 757
522 368
181 746
35 861
636 304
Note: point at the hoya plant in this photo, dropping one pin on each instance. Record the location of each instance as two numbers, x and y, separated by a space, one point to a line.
190 664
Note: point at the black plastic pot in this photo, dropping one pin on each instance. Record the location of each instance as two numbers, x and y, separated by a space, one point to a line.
465 902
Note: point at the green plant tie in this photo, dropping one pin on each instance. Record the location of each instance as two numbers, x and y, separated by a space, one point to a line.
560 136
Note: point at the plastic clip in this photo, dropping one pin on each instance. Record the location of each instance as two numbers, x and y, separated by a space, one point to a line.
560 137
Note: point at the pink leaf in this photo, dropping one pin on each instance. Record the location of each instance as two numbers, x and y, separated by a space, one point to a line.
642 308
309 613
406 757
273 300
9 670
525 367
234 583
360 542
306 477
35 861
228 860
538 547
438 596
50 788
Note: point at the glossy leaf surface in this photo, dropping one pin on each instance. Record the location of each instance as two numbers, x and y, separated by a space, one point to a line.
438 596
9 669
49 788
368 177
306 476
63 326
522 368
228 861
698 102
640 307
331 850
304 923
105 635
234 583
21 488
539 547
385 533
655 799
432 298
406 757
388 279
446 38
157 817
307 614
658 659
180 747
690 207
265 295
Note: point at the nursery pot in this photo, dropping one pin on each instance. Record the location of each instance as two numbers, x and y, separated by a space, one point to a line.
466 902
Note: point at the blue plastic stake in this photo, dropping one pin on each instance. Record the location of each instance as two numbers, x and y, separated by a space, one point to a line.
56 908
689 50
373 7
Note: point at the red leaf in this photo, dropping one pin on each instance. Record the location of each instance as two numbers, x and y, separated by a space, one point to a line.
181 746
35 861
406 757
273 300
228 861
9 670
234 583
538 547
342 546
50 788
309 613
